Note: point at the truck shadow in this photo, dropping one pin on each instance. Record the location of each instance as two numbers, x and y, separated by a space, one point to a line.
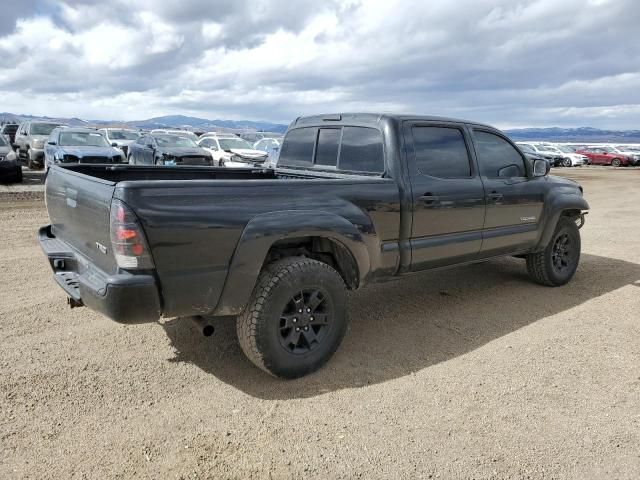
402 327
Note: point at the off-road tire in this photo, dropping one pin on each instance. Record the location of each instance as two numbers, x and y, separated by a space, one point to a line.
616 162
259 326
540 266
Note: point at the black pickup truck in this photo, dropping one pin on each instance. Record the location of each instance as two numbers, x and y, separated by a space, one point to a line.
355 199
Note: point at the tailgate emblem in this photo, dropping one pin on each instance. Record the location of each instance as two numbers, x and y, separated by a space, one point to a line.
101 247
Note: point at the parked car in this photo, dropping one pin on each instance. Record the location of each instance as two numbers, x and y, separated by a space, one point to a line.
569 157
30 139
120 137
10 169
253 137
554 157
232 152
80 145
271 146
9 131
606 156
279 249
181 133
532 155
167 149
629 152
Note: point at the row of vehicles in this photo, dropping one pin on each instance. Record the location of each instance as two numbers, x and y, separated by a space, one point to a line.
41 144
573 155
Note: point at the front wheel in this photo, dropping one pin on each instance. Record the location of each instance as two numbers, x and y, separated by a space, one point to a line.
296 317
566 162
616 162
558 262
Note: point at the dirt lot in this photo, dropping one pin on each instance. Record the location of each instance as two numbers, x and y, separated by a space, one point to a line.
470 373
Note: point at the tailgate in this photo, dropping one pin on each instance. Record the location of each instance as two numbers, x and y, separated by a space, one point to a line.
78 207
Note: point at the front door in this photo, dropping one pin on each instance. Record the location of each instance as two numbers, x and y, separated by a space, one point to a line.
514 197
448 197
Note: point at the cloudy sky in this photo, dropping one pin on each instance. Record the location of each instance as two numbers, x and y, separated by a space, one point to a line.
511 63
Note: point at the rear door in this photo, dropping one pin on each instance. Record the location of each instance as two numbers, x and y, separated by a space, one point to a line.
514 197
448 196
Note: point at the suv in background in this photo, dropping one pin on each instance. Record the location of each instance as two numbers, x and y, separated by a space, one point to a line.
9 132
30 140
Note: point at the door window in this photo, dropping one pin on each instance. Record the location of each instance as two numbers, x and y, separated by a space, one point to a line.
441 152
497 158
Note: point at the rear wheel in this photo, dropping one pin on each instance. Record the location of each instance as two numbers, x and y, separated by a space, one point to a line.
616 162
558 262
566 162
296 317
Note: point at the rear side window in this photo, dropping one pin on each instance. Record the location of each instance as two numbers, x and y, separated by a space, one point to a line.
328 146
441 152
361 150
497 158
298 147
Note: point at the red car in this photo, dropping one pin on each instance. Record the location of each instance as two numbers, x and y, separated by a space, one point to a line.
606 156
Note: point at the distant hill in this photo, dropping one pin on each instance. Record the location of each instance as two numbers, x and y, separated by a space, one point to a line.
551 134
578 135
168 121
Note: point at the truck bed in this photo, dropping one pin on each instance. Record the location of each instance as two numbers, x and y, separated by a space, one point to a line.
194 217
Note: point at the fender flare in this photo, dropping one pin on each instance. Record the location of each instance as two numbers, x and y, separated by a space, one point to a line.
555 208
263 231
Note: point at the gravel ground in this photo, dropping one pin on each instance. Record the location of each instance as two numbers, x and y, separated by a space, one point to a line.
473 372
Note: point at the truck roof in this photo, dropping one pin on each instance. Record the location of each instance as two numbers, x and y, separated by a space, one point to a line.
373 119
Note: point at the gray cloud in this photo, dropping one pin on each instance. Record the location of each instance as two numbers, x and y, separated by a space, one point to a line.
537 62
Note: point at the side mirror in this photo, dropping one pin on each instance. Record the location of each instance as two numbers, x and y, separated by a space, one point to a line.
51 142
541 168
23 133
150 146
114 144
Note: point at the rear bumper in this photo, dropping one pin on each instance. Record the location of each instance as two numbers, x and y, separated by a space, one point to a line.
123 297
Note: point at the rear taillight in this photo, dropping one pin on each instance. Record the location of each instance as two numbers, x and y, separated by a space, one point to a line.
127 239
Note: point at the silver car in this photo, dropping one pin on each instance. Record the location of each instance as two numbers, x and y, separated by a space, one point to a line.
30 139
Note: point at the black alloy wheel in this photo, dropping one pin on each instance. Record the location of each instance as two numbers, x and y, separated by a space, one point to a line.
305 321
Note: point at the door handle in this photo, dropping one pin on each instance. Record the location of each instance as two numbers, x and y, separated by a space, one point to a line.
495 196
429 199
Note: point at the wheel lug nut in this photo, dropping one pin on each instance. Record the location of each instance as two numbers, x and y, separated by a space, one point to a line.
311 319
308 310
300 311
297 329
295 320
306 328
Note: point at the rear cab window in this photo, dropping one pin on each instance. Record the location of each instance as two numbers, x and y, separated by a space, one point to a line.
342 148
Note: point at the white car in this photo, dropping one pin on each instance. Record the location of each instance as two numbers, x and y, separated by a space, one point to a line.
232 151
570 157
272 147
629 152
120 137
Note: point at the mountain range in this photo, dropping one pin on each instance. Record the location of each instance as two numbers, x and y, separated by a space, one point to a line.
551 134
169 121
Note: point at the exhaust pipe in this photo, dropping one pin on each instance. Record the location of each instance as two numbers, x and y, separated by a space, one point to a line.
204 325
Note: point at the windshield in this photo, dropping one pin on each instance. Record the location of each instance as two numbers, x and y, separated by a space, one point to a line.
174 141
527 148
42 128
230 143
123 135
82 139
565 149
